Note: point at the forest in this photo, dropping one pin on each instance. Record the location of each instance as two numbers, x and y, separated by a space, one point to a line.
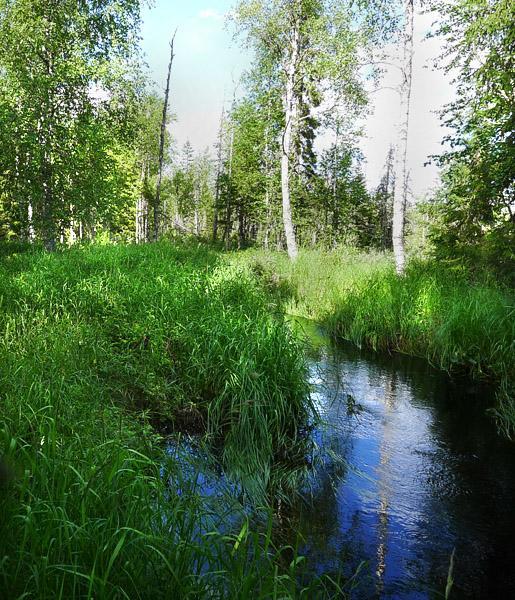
246 370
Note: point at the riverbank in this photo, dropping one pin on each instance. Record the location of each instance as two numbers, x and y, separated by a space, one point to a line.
102 349
106 350
459 324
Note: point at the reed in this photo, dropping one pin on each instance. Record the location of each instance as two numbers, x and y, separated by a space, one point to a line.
101 350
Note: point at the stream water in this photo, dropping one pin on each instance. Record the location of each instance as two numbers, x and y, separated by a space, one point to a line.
412 470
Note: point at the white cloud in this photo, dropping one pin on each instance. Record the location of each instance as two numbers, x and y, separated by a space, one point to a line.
210 13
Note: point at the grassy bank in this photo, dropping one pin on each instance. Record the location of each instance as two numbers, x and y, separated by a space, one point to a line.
101 348
458 324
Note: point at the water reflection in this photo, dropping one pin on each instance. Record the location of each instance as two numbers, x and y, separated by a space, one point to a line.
423 472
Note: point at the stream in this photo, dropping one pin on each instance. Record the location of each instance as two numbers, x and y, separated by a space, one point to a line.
413 469
410 471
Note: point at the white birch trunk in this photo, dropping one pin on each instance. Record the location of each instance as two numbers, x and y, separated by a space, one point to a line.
138 220
140 217
290 118
72 234
30 219
401 175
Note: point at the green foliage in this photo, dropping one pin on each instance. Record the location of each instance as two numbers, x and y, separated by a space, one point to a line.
344 213
475 211
332 207
80 132
64 94
148 122
332 35
309 53
190 194
251 190
96 344
248 174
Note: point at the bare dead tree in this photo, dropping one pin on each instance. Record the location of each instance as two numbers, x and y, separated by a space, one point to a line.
219 168
162 143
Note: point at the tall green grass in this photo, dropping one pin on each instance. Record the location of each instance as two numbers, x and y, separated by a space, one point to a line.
101 348
458 323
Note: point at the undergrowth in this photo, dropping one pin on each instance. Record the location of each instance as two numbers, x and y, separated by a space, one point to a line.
102 348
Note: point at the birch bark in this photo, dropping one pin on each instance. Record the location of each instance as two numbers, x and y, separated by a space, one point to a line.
290 118
401 174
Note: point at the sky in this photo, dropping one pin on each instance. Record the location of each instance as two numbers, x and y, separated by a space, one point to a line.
206 63
209 63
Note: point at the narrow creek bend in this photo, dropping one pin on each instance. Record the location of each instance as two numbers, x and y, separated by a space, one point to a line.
422 472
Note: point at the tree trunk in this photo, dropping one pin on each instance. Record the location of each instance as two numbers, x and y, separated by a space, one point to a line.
219 166
48 213
266 241
162 145
386 234
334 183
49 229
30 220
137 224
196 200
290 117
72 228
401 175
241 227
142 209
49 225
268 173
228 212
215 212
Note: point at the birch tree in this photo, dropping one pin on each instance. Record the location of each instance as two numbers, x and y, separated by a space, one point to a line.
309 50
65 53
291 67
401 173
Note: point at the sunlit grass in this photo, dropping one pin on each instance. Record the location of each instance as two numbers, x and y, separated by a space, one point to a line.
101 349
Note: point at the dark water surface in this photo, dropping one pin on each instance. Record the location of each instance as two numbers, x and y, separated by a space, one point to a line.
412 472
